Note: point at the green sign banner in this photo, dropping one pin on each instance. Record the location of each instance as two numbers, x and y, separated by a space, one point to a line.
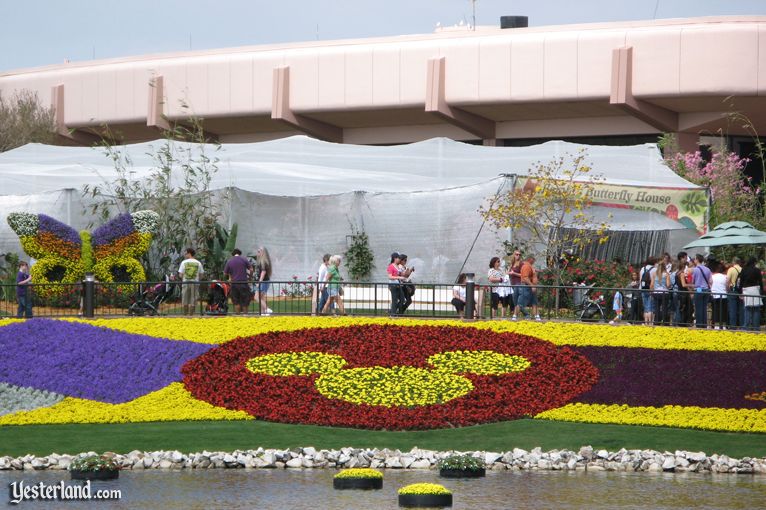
687 206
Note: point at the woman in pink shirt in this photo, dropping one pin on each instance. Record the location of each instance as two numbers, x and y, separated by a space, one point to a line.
394 285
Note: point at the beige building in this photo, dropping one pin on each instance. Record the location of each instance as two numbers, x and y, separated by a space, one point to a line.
613 83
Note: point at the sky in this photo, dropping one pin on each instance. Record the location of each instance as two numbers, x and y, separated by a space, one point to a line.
42 32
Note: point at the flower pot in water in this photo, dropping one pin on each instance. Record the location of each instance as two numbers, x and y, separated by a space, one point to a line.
102 474
357 483
425 500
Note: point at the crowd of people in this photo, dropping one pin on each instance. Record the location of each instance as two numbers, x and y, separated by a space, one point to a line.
240 272
400 284
330 291
696 291
513 289
688 291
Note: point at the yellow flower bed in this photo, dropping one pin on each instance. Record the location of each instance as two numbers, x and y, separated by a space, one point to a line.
394 386
424 488
568 333
296 363
479 362
171 403
690 417
222 329
359 473
6 322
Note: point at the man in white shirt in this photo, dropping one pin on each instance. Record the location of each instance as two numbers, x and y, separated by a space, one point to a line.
190 271
322 282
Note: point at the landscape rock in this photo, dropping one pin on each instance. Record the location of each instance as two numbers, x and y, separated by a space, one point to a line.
515 460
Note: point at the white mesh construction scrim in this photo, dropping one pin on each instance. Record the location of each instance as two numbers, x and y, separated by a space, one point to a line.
299 197
435 229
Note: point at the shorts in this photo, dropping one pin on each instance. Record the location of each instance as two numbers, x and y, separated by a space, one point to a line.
646 299
526 297
333 291
496 299
262 287
190 293
240 294
458 304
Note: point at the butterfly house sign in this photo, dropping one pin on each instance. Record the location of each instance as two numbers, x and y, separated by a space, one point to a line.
64 256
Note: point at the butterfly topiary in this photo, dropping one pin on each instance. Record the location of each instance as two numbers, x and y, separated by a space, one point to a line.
64 256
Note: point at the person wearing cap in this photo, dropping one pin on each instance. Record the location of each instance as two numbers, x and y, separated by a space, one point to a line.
394 284
408 289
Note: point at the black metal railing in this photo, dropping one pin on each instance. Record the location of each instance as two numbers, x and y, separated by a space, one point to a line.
433 300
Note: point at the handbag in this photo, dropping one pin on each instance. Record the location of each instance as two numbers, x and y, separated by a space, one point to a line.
409 289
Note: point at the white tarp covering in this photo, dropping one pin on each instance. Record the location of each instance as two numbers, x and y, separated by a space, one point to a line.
302 166
298 196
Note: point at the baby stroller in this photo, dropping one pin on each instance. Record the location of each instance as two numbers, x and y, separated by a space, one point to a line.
147 300
218 297
587 309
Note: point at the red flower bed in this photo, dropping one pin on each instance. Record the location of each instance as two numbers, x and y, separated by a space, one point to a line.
556 376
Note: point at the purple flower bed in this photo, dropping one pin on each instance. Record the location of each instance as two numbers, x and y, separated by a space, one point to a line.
60 230
657 377
119 227
84 361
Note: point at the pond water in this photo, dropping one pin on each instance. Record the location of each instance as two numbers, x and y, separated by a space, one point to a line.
312 489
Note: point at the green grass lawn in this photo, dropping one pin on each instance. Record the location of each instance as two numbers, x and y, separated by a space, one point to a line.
227 436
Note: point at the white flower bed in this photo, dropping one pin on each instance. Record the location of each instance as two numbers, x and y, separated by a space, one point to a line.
17 398
24 224
146 222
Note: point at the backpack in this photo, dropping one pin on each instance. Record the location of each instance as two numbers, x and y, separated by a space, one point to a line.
737 289
646 278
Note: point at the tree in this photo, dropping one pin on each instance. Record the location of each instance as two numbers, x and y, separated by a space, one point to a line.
551 205
178 189
734 197
23 120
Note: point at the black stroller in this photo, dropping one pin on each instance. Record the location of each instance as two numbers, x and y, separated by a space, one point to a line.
588 309
147 300
218 298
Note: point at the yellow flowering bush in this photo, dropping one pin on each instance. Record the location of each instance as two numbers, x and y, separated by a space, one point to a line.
479 362
689 417
424 488
296 363
408 387
171 403
359 473
560 333
395 386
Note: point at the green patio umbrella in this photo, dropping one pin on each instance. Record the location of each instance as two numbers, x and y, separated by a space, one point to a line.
728 234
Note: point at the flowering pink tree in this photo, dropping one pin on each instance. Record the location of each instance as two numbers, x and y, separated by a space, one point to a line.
733 195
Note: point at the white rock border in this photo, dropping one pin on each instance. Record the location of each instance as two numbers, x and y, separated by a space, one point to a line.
586 459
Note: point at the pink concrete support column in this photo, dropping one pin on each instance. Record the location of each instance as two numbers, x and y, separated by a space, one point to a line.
280 110
687 142
622 95
62 130
482 127
155 116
